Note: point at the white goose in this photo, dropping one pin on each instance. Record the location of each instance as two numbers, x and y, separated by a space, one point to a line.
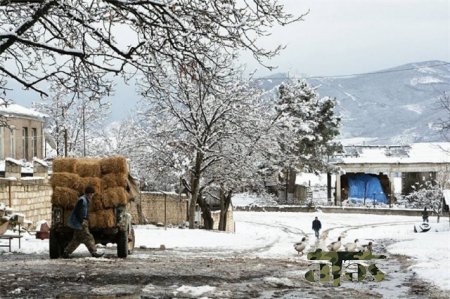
324 235
368 247
351 247
334 246
300 246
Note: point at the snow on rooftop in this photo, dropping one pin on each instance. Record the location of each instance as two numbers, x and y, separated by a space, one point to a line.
27 167
40 161
14 161
15 109
414 153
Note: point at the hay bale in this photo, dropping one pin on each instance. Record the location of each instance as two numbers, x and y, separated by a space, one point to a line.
114 165
92 218
65 179
96 203
88 168
112 180
64 165
114 197
102 219
64 197
90 181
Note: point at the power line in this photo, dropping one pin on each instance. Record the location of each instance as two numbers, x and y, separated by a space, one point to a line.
357 74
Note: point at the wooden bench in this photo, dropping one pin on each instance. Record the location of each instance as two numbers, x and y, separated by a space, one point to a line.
9 238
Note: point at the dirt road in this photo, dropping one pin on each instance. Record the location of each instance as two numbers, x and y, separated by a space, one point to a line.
170 274
214 272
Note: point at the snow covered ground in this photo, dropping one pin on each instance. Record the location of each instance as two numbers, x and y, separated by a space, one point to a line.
272 234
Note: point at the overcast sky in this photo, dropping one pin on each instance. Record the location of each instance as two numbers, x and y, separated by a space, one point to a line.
340 37
357 36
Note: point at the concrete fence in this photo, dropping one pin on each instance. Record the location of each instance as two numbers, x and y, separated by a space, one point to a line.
335 209
159 207
230 227
28 196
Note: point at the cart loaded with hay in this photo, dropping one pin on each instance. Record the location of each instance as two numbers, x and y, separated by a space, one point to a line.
109 221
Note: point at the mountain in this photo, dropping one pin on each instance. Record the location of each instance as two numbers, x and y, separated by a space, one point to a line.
392 106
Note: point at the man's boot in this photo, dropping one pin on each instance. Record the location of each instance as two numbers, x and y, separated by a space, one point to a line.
96 254
65 255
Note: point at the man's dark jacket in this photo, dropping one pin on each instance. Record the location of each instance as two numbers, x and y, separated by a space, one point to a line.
79 213
316 225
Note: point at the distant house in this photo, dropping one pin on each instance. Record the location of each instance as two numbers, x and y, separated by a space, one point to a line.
23 137
380 173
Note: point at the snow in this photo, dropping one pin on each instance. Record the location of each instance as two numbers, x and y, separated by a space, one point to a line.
311 179
272 235
437 152
425 80
15 109
356 141
414 108
246 199
40 161
195 291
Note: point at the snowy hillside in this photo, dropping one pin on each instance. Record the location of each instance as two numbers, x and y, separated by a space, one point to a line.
397 105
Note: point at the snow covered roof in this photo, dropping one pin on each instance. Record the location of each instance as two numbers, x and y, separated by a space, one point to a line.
18 110
401 154
27 167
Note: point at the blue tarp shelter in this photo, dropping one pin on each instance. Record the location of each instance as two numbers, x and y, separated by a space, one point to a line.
366 186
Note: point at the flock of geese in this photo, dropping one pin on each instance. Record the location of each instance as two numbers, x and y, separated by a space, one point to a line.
333 246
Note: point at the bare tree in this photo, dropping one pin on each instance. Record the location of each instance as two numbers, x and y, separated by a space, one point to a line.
43 40
73 117
190 116
3 115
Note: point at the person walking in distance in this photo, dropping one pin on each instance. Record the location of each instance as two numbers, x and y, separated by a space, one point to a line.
316 226
78 221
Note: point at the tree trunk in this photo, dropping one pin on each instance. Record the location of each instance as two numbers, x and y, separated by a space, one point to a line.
195 188
225 201
206 213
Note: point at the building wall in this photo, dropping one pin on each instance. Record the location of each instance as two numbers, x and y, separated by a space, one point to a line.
31 197
18 124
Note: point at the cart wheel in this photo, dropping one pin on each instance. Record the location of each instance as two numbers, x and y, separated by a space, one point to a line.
122 244
55 247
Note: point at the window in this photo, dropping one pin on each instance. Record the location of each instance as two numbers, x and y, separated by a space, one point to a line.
34 146
25 143
2 143
12 143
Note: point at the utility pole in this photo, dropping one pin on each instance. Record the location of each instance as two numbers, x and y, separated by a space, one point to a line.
84 129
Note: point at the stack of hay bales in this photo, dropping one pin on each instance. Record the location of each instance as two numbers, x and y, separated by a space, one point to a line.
108 176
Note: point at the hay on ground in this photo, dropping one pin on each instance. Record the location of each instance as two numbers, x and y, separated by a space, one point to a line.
88 168
65 179
114 165
102 219
64 165
64 197
112 180
114 197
